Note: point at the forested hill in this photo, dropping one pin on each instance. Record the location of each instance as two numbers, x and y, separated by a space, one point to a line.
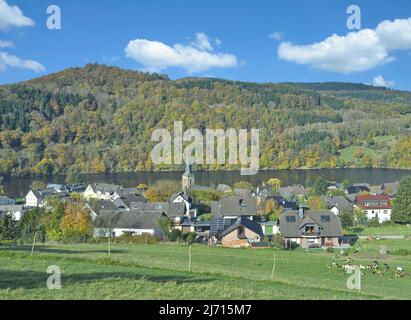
100 119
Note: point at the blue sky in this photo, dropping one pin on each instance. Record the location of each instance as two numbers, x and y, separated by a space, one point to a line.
226 39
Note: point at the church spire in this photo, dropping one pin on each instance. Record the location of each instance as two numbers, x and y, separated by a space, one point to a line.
187 180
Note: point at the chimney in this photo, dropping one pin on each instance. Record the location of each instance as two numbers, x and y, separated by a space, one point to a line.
301 212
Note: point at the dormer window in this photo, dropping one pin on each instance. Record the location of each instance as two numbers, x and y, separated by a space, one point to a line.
290 218
325 218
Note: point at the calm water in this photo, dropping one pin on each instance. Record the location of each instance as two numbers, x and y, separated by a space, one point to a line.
17 187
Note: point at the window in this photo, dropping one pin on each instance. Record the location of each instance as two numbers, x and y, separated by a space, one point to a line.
325 218
290 218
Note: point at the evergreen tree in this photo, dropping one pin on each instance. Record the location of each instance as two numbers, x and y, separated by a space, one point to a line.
402 204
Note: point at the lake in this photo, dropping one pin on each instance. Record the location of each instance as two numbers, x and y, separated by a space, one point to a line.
18 187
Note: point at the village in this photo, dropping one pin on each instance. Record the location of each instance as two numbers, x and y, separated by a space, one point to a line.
237 217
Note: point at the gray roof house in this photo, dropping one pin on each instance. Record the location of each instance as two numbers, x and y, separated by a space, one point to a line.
310 228
390 189
241 232
120 222
234 206
291 191
337 204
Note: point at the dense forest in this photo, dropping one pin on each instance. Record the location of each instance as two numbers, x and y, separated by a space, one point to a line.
100 119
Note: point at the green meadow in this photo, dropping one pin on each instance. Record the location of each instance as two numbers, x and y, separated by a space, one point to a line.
161 271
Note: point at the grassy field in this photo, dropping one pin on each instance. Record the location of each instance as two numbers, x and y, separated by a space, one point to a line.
348 154
395 230
161 272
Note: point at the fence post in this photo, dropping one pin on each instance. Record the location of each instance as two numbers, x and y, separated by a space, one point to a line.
273 270
189 258
34 243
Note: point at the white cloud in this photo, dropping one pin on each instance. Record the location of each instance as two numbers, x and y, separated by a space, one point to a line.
202 42
395 34
12 16
8 60
356 51
379 81
6 44
197 56
278 36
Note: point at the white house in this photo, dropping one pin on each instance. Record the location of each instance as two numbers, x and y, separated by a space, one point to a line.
375 207
102 191
182 198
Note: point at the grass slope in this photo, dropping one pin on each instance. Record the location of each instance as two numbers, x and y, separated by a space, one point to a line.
159 272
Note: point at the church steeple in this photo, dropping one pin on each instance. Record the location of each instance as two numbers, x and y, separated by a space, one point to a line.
187 179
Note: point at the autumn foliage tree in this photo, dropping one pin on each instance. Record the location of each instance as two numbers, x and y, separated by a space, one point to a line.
76 221
162 190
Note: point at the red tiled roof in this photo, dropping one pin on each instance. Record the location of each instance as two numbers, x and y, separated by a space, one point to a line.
366 197
359 200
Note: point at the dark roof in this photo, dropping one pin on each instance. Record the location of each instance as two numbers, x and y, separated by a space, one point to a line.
127 199
234 206
289 205
291 229
105 187
358 189
295 190
340 202
218 225
246 223
170 209
100 205
128 219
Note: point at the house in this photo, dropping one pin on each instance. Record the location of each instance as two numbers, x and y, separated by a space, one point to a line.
135 222
337 204
234 206
36 198
390 189
16 211
291 192
98 206
7 201
376 190
287 205
270 228
243 192
310 229
358 188
102 191
375 206
241 232
181 197
58 187
202 228
124 199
